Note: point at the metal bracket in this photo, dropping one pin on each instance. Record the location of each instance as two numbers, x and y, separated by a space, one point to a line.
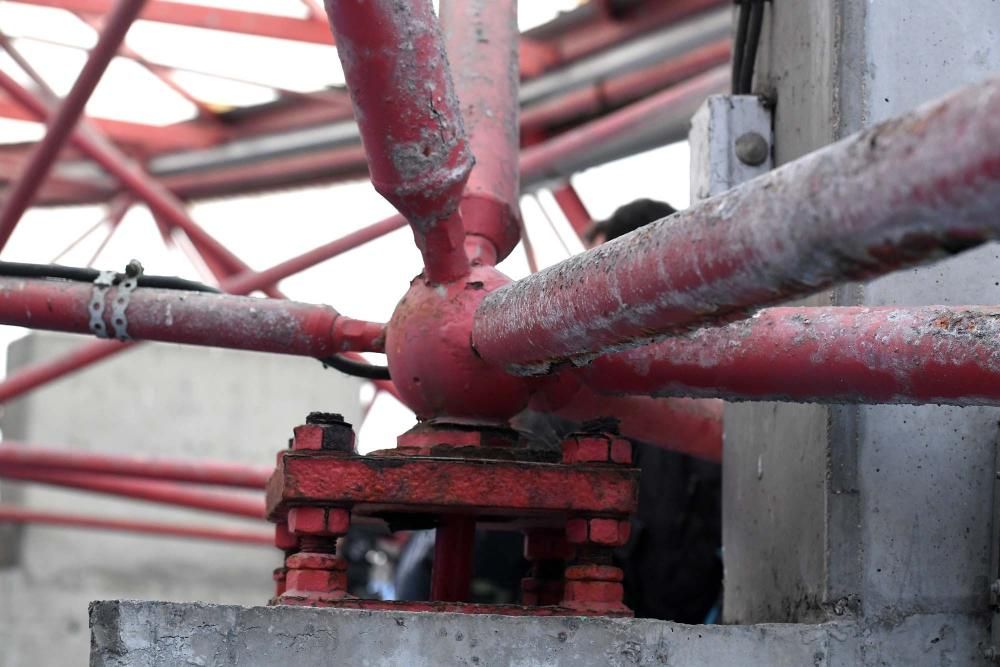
102 284
119 319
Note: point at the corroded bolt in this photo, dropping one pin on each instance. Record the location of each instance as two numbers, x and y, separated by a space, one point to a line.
320 521
604 532
752 149
324 431
596 449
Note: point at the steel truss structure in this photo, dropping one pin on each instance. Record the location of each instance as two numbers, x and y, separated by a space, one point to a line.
651 328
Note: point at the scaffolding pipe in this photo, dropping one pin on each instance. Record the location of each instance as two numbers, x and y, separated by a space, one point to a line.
916 355
482 37
192 318
143 489
22 515
195 471
43 156
411 126
910 190
31 377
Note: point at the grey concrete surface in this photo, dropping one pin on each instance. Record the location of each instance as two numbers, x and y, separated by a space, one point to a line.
156 400
878 513
148 634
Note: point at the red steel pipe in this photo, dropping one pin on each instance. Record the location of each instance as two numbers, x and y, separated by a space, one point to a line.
451 572
625 88
30 377
161 201
540 161
481 37
149 490
911 190
196 471
60 127
574 209
411 127
929 354
15 514
193 318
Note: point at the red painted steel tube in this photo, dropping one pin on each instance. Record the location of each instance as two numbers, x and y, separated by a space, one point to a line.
149 490
31 377
197 471
929 354
911 190
160 200
34 376
540 161
573 208
15 514
43 156
481 37
411 127
609 93
193 318
451 573
691 426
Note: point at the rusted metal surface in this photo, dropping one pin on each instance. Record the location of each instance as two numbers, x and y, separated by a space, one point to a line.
481 37
930 354
17 514
167 493
198 471
43 156
411 126
911 190
195 318
446 486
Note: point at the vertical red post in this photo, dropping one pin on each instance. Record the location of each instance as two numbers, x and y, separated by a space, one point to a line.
411 127
482 41
454 542
43 156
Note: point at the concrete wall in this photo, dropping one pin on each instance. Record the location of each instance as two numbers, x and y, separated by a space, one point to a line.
154 400
880 512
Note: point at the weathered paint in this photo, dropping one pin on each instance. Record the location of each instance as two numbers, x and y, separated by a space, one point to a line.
915 189
196 318
931 354
411 127
481 37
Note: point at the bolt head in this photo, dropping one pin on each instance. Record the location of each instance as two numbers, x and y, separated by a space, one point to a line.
752 149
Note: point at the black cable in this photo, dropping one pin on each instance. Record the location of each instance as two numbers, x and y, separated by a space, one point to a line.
756 22
357 368
86 275
739 43
80 274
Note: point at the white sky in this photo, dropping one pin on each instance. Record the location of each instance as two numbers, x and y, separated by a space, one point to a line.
266 229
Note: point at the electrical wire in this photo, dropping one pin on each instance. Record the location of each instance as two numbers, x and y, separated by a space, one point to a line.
87 275
746 43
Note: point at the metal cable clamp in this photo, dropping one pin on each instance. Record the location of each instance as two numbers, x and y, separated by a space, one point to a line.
102 284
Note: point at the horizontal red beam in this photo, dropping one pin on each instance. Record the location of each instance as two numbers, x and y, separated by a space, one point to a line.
149 490
913 189
193 318
198 471
214 18
33 376
15 514
930 354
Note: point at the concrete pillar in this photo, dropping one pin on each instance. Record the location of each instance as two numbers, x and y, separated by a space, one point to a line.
878 513
156 400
